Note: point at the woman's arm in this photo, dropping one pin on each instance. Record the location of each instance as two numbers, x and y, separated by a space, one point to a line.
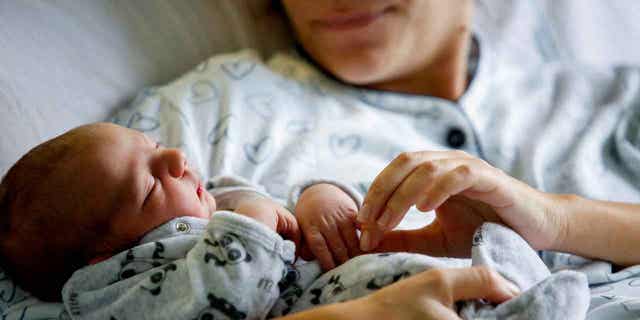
599 229
465 192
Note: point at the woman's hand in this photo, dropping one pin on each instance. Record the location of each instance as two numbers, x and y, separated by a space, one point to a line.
327 218
465 192
271 214
431 294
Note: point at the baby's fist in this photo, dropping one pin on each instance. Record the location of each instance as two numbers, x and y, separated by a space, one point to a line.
327 216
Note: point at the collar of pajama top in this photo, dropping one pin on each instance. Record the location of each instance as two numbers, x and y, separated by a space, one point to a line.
447 120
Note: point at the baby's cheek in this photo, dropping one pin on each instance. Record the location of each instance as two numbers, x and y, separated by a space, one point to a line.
212 202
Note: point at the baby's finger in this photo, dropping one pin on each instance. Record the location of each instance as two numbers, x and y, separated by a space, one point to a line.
304 252
318 246
337 246
288 226
350 237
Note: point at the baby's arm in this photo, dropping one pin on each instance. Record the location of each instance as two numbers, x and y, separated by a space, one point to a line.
271 214
234 193
598 229
232 272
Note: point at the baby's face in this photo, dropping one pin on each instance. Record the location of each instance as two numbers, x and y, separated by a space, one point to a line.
153 184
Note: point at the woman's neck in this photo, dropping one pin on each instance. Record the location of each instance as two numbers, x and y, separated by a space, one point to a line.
444 77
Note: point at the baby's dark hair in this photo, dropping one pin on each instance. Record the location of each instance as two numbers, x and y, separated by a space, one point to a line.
40 235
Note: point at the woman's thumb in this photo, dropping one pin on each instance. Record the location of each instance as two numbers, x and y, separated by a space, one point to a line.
479 283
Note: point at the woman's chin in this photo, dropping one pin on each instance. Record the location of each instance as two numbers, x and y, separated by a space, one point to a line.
358 73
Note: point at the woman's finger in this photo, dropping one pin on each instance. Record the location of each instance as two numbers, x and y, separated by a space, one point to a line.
447 185
370 237
431 182
318 246
468 177
428 240
407 194
412 189
386 183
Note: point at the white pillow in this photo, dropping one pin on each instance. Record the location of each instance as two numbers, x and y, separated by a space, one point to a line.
64 63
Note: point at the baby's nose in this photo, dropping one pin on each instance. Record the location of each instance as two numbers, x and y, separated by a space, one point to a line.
176 161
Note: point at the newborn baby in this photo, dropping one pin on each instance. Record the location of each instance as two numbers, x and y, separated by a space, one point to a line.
86 195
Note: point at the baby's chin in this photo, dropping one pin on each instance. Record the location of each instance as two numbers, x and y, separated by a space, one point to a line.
210 207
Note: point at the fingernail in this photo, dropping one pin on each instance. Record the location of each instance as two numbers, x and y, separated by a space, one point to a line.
364 241
364 213
422 204
384 220
513 289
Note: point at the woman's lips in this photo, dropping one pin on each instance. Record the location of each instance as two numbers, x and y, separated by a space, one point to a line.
342 22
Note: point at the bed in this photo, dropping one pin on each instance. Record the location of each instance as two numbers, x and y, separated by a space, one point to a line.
66 63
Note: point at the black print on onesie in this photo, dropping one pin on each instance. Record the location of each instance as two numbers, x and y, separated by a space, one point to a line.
290 291
10 293
132 265
228 249
385 280
333 288
219 308
157 278
478 238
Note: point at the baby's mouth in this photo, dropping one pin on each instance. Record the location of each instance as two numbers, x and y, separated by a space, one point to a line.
199 190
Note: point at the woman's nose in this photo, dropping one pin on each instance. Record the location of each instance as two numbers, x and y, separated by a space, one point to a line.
175 161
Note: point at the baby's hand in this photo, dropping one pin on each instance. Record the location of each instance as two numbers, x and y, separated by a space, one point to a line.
327 218
271 214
